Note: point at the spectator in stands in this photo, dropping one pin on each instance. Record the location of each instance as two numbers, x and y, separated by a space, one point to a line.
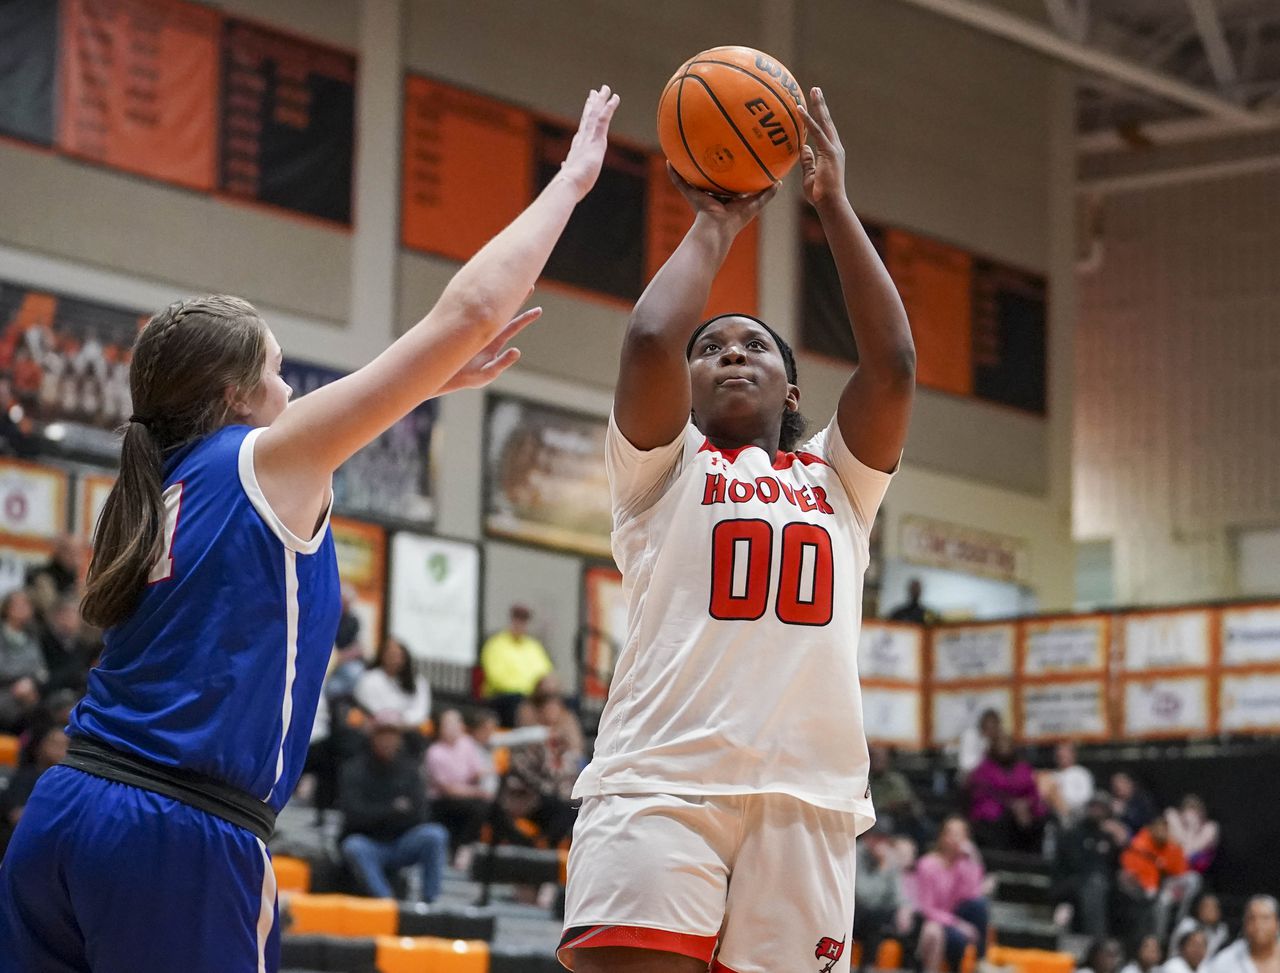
1005 805
542 775
1258 948
1190 827
65 566
41 752
66 652
383 797
22 669
913 609
482 725
552 711
1131 803
1104 956
1191 948
513 661
975 741
390 691
951 897
897 806
348 666
1068 788
880 906
1146 958
348 622
1154 870
1207 915
462 781
1085 865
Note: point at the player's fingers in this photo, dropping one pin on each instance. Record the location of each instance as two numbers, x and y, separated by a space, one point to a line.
500 364
515 326
828 123
817 133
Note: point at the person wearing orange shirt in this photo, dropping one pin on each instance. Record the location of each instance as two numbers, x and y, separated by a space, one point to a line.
1153 868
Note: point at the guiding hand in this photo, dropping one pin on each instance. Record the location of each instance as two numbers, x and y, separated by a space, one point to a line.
822 160
494 358
734 213
581 166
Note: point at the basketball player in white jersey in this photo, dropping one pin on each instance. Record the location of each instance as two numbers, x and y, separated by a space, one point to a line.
730 774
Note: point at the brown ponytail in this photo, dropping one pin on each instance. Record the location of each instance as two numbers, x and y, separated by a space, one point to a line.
184 362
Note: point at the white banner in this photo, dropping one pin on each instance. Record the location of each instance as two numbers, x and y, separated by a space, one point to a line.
1166 706
33 501
1250 703
1069 710
955 710
958 548
889 652
1170 640
16 557
435 597
892 715
1076 645
973 652
1250 635
94 489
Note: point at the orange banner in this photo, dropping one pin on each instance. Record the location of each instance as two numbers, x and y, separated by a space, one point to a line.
139 83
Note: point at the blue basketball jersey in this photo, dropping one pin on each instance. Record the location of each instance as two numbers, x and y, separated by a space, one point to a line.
219 669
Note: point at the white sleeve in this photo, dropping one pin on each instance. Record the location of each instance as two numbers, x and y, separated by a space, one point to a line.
866 487
638 478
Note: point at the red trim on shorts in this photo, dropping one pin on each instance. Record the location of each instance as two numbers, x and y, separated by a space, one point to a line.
718 967
636 937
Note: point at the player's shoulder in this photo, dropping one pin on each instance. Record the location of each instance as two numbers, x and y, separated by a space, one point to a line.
218 453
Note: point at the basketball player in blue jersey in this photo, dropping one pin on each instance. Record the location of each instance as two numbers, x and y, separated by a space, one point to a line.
215 577
730 773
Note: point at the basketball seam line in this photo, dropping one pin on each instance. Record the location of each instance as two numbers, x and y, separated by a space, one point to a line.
782 97
733 125
689 151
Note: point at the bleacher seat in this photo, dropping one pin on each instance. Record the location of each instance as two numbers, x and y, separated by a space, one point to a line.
292 874
342 915
1031 960
406 954
9 750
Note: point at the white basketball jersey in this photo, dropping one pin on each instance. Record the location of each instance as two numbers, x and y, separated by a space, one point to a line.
743 578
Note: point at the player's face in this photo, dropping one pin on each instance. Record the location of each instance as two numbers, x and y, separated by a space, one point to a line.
273 392
737 377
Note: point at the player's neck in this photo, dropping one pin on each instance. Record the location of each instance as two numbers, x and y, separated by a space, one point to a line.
732 436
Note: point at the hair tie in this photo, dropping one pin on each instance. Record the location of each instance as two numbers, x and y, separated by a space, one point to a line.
140 420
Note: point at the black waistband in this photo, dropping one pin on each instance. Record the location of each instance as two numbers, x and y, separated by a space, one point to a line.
201 792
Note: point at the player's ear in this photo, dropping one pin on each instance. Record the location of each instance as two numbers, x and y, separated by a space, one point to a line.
793 398
237 406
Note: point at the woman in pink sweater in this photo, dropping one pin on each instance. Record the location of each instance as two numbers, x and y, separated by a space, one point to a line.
951 897
1004 801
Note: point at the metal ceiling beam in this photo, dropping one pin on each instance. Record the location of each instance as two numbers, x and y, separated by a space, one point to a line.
1008 27
1209 24
1069 19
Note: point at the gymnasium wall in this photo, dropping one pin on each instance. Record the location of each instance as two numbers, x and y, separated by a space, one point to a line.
1177 444
950 134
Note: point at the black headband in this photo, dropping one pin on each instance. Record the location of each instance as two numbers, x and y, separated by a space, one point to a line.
788 356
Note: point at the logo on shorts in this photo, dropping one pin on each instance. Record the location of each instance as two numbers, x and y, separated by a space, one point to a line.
830 950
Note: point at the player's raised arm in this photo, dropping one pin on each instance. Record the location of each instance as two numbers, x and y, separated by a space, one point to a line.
652 400
875 407
458 344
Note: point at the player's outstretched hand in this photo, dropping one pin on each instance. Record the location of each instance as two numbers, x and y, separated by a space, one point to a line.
586 154
734 212
494 359
822 160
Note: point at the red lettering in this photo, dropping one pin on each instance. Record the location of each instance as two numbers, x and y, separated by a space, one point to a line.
820 498
789 493
740 491
767 489
714 490
804 499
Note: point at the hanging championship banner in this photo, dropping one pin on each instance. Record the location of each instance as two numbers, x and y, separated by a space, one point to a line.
544 476
435 597
1160 707
92 490
1250 635
973 652
1250 703
1064 646
1071 710
942 545
33 499
955 710
1168 640
890 652
17 556
892 716
362 558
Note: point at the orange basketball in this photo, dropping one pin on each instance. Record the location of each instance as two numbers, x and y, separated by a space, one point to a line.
728 123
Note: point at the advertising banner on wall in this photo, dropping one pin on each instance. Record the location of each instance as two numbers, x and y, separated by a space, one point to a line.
1158 707
17 555
362 559
1166 640
892 716
435 597
1064 646
957 548
1072 710
890 651
544 476
92 490
606 629
33 500
955 710
1250 703
1250 636
973 652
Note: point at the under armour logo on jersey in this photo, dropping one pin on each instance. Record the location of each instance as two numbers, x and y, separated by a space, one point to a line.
830 950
